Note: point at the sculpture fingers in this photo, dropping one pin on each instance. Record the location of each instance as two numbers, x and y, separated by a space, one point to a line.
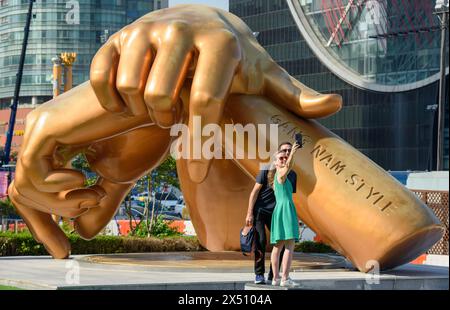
53 129
40 181
42 226
218 61
36 158
125 158
136 57
39 186
67 204
217 215
57 191
103 75
168 74
121 161
296 97
89 224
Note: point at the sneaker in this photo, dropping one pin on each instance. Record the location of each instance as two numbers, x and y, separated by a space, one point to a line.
259 279
276 282
289 283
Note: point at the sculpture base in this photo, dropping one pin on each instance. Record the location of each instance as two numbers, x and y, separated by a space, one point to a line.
212 262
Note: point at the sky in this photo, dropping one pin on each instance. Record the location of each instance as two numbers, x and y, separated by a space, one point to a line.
222 4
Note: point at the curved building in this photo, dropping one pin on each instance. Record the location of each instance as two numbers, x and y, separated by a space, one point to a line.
382 56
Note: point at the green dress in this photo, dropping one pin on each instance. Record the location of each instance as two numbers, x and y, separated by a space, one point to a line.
284 218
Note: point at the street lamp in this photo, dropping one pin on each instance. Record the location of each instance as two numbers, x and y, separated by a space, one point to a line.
441 10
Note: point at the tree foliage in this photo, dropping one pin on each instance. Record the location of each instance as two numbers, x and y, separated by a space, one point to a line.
7 208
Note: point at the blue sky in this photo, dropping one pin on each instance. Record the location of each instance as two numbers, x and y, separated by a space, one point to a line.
223 4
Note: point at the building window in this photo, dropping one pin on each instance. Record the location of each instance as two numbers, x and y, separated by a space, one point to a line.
3 3
5 36
3 20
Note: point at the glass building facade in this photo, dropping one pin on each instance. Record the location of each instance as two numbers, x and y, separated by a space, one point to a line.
79 26
382 56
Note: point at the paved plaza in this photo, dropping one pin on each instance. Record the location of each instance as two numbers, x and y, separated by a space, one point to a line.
203 271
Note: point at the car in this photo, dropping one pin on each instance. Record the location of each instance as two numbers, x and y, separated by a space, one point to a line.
181 209
122 213
178 209
141 197
168 199
171 216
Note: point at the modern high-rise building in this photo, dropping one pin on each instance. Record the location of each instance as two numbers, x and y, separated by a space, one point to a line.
382 56
79 26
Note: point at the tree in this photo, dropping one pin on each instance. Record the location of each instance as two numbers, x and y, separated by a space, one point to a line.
7 209
12 156
165 174
80 163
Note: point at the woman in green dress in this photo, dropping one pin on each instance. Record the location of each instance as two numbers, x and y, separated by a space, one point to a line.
284 228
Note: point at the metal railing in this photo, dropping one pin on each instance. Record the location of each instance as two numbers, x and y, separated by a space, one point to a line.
438 202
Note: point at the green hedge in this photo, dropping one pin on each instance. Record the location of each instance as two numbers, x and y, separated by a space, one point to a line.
313 247
23 244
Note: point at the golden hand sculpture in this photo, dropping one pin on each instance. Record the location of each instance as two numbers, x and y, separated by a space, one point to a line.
348 200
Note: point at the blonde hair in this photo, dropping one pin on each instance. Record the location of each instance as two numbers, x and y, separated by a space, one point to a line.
271 176
272 171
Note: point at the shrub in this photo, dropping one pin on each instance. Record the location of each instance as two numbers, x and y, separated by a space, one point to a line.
15 244
160 229
7 209
23 244
313 247
169 244
98 245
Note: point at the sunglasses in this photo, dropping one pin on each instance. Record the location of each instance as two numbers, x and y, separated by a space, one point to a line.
285 150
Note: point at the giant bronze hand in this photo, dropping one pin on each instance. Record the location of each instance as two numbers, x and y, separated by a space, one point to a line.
353 204
173 43
216 52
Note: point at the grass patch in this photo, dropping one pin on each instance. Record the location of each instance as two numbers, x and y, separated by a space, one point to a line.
9 288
